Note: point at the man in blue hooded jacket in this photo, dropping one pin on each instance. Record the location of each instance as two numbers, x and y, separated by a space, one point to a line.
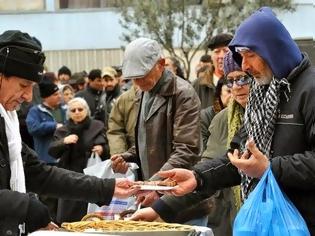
278 125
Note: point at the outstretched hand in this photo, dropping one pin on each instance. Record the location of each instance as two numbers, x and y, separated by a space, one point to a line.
185 179
125 188
147 198
252 162
119 165
145 214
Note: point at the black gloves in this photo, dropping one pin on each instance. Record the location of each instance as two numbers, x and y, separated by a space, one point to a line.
37 215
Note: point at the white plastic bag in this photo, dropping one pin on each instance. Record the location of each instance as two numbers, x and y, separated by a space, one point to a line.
94 159
104 170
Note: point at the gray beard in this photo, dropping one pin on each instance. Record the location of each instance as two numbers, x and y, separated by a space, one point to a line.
263 80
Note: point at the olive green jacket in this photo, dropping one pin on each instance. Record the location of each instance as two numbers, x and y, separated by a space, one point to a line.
122 121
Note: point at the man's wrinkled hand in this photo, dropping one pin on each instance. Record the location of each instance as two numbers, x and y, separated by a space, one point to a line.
119 165
147 198
252 162
145 214
185 179
125 188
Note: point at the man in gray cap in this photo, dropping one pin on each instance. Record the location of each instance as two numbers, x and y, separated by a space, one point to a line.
21 66
168 126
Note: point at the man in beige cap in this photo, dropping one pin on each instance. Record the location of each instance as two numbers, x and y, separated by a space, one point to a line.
112 88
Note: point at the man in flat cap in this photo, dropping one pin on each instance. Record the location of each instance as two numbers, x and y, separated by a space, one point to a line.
218 45
211 72
168 126
21 66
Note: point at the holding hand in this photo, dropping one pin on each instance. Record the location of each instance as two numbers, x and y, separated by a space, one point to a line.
185 179
145 214
252 162
72 138
98 149
119 165
124 189
147 198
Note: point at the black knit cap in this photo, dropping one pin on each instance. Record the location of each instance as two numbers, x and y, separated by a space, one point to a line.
64 70
47 88
21 55
220 40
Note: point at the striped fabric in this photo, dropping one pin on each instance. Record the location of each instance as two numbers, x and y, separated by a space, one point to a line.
260 117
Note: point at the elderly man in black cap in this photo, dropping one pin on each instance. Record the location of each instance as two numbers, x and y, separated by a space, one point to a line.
218 45
209 76
21 66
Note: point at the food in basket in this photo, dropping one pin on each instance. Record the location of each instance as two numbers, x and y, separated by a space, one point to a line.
92 217
123 226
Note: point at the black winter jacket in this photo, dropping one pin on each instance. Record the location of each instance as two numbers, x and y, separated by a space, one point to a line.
43 179
74 157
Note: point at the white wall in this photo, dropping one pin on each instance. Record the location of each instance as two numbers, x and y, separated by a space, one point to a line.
68 30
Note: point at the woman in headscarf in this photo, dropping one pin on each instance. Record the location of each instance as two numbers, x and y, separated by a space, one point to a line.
222 129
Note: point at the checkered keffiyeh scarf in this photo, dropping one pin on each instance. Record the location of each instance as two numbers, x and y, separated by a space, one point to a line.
260 118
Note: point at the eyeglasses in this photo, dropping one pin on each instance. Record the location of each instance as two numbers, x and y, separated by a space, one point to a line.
239 80
79 109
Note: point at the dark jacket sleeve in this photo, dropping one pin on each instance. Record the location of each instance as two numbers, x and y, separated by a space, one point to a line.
102 140
57 147
13 205
167 207
212 170
130 155
57 182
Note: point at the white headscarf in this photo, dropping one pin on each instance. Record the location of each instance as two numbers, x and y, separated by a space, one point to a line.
17 180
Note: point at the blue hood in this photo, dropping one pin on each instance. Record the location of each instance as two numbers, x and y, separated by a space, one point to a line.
264 34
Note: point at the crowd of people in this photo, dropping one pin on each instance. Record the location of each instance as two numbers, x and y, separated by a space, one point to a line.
251 106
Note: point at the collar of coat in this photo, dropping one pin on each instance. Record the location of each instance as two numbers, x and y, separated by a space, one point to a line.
169 87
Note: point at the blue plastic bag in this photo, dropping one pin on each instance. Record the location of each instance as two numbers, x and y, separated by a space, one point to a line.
269 212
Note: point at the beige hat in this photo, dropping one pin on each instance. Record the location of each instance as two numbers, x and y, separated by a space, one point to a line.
109 71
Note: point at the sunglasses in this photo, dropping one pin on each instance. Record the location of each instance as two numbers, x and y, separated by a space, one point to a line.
76 109
239 80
